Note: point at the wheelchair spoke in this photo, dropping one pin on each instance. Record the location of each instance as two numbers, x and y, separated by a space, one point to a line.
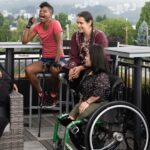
116 128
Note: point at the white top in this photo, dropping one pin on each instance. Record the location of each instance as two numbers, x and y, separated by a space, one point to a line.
129 51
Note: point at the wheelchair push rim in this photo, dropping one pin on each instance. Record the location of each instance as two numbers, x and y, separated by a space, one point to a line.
117 125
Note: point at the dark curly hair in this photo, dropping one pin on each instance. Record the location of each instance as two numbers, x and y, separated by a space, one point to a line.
46 4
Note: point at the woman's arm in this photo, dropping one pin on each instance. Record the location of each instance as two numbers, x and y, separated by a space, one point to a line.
15 87
85 104
58 38
74 52
75 72
92 99
28 35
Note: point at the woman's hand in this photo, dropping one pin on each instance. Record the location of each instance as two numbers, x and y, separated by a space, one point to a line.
74 72
31 21
15 88
71 73
58 55
83 106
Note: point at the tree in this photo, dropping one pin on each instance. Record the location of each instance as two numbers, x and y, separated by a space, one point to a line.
5 31
145 15
21 23
117 29
1 19
73 28
63 19
100 18
142 38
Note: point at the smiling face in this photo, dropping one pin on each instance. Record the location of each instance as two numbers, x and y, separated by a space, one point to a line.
45 14
83 26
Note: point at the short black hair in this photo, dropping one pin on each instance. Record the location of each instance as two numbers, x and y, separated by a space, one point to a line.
97 57
46 4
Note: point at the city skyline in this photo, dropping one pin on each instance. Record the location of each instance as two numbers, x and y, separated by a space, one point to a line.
119 8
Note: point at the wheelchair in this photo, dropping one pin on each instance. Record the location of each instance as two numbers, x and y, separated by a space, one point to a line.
117 125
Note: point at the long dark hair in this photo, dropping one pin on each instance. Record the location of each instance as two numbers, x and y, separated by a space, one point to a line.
87 17
97 57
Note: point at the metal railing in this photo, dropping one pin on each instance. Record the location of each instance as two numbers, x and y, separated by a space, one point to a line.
125 70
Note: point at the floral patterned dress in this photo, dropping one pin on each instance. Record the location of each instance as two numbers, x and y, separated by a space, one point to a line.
97 85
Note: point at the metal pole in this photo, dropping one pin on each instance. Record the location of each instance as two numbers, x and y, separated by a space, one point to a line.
10 61
67 29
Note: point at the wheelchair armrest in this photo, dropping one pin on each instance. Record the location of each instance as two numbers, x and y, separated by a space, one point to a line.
116 84
115 81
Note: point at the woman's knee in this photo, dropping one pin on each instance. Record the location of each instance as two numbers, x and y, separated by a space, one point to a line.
34 68
28 70
90 110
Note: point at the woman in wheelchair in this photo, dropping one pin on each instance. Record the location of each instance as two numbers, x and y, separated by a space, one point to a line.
96 124
94 86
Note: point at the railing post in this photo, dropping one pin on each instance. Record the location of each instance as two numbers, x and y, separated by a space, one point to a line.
138 96
138 82
9 65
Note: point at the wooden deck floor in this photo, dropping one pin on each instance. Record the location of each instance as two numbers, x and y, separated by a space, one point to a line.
31 139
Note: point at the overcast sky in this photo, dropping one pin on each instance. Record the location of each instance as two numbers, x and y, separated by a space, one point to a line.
60 2
12 4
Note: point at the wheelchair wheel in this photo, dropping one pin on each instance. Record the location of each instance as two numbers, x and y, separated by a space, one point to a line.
117 125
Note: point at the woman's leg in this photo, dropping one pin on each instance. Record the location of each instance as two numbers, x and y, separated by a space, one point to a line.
31 71
55 81
55 70
74 112
72 116
90 110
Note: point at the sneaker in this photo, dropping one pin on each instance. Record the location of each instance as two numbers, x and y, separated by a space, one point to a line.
64 120
53 94
46 99
40 94
54 97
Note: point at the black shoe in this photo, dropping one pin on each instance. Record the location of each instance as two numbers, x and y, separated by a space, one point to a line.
64 120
